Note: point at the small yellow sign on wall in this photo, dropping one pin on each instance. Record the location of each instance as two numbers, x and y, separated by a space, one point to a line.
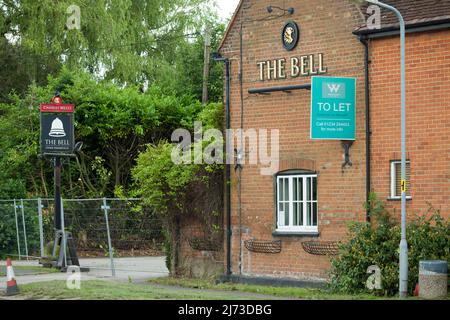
403 186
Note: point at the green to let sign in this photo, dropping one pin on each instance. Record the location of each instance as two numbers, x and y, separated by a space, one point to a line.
333 108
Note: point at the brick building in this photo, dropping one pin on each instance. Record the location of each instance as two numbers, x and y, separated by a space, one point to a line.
281 223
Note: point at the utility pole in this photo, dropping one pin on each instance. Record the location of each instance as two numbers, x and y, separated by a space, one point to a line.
403 281
206 65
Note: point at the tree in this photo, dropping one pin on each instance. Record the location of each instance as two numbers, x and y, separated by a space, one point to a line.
176 191
188 64
114 123
128 41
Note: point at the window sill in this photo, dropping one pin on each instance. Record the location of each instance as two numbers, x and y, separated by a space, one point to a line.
296 234
399 199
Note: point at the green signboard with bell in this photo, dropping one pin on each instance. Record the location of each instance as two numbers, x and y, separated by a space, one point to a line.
57 134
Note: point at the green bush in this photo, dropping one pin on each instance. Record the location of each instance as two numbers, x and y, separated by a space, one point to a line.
378 244
179 190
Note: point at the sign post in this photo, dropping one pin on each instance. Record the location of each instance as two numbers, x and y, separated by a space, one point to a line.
333 109
57 141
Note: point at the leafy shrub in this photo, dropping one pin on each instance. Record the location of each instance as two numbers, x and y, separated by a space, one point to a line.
176 190
378 244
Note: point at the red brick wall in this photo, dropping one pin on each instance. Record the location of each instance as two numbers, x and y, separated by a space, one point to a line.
326 27
428 117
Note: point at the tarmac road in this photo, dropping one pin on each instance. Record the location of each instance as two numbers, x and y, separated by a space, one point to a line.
127 269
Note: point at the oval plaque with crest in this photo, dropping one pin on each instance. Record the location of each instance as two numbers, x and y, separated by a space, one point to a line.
290 35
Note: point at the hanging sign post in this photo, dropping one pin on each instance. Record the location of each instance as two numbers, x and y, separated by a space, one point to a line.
58 141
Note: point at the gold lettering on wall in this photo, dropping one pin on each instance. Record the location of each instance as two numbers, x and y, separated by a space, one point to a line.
307 65
272 70
282 69
295 70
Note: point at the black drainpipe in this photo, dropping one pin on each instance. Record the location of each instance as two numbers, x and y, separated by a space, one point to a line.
217 57
228 167
365 42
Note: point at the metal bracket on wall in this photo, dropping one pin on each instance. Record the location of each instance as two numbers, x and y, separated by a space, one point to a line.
347 145
286 89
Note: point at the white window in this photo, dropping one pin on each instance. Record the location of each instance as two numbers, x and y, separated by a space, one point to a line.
297 203
396 180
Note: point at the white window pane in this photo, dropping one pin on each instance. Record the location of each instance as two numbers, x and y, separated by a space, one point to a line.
280 190
286 214
296 214
300 189
308 189
286 190
315 214
308 214
297 202
315 189
295 187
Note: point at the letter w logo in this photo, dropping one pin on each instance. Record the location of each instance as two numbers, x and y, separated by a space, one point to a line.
334 87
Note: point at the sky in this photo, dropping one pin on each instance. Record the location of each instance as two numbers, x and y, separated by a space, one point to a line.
226 8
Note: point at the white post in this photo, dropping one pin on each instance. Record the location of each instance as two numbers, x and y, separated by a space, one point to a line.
63 232
41 227
24 228
17 230
105 208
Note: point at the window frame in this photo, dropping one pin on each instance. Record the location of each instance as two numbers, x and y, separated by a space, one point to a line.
280 215
393 186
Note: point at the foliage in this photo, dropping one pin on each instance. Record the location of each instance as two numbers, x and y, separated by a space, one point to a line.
126 40
378 244
114 123
177 190
8 235
188 63
164 183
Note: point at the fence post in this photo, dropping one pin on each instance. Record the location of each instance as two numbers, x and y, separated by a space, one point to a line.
105 208
24 228
41 226
63 230
17 230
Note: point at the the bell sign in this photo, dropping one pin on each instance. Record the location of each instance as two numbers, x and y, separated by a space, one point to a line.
57 133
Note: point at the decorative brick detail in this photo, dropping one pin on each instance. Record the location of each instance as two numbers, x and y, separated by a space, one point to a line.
297 164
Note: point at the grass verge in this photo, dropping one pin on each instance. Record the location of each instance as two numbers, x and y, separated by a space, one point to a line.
108 290
280 292
27 270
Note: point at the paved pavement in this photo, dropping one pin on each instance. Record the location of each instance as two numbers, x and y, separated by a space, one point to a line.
127 269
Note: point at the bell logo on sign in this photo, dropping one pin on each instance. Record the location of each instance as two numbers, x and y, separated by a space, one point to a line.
57 133
57 130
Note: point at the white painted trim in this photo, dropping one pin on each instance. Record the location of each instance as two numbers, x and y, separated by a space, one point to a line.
393 196
281 223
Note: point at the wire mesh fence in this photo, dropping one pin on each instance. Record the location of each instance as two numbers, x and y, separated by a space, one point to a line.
104 230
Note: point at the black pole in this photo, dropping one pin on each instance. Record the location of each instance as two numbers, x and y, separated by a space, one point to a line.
365 42
218 57
228 169
57 168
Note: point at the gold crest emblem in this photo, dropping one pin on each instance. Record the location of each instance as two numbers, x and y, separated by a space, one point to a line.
288 35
